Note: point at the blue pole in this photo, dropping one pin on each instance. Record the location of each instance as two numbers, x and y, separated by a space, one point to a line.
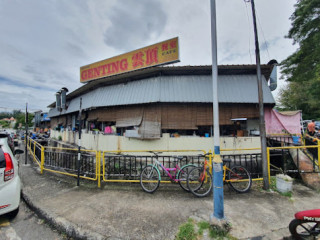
218 198
217 171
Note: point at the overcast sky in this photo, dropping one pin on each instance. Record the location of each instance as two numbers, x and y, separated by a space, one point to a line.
44 43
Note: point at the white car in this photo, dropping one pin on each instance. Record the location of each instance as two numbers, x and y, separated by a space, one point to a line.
10 185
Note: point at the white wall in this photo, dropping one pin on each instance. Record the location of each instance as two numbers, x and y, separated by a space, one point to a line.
252 124
119 143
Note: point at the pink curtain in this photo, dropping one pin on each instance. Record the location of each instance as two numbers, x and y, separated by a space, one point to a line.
277 122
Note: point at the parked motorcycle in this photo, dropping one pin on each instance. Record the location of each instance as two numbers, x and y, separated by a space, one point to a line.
306 225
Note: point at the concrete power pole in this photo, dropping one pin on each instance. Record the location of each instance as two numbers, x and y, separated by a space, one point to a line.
217 168
261 108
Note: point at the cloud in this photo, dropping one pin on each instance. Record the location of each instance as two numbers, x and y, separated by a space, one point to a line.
134 23
44 43
16 96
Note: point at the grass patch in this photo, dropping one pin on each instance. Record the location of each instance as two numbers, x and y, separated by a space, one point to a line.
273 183
202 226
286 194
216 232
187 231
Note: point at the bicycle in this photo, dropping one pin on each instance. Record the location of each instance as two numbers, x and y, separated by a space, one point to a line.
150 176
199 179
306 224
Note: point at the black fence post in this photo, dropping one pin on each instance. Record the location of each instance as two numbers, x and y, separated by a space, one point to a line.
26 137
79 144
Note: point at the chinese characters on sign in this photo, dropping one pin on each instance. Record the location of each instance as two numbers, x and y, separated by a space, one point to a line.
157 54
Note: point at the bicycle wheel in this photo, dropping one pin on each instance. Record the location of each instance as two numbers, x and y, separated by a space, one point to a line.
199 182
239 179
183 175
149 179
300 229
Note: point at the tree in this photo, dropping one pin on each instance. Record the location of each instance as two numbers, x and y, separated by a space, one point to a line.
302 69
4 124
19 116
21 120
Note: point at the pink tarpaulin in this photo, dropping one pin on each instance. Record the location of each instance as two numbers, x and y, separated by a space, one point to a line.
277 122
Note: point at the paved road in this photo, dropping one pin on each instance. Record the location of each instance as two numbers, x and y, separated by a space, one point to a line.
124 211
27 226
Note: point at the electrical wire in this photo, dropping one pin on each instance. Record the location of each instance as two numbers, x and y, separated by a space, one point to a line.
250 30
19 109
265 41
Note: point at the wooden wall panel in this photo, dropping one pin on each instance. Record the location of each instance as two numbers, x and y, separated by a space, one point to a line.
150 127
169 115
178 116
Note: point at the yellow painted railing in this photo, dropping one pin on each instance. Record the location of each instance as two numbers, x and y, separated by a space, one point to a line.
244 149
34 145
318 145
100 158
303 147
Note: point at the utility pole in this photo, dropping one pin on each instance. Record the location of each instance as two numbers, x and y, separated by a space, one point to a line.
217 169
79 144
26 137
262 126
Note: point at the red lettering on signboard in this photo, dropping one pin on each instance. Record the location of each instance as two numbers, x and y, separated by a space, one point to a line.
160 53
84 75
137 60
90 75
104 69
100 71
115 67
152 56
173 44
124 64
96 72
164 47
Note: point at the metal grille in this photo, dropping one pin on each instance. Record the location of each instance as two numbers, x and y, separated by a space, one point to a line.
252 162
68 161
130 166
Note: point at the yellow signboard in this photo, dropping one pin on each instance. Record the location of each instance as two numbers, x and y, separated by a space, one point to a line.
157 54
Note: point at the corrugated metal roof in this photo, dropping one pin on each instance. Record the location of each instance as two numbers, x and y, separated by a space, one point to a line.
168 71
188 88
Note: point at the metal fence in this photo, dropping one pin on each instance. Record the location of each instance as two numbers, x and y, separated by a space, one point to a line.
300 158
35 149
304 162
126 166
65 160
281 139
311 141
252 162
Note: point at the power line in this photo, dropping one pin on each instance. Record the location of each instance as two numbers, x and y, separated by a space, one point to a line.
249 26
19 109
265 41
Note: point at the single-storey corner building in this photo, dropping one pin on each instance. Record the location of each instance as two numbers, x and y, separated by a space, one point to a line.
150 105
